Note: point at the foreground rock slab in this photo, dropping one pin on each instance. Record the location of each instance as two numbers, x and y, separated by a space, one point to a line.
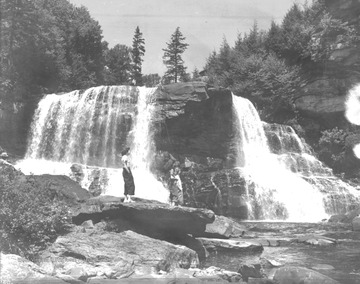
15 269
92 253
146 213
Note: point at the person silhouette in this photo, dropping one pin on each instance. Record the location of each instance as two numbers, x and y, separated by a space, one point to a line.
129 185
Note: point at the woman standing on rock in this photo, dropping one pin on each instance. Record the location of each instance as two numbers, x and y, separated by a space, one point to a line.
129 185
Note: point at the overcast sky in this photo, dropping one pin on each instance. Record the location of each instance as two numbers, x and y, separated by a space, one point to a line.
204 23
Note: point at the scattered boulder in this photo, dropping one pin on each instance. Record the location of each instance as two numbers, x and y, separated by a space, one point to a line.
300 275
223 227
317 240
14 269
252 270
94 253
151 215
231 245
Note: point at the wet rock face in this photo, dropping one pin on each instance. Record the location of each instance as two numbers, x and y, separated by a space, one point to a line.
223 191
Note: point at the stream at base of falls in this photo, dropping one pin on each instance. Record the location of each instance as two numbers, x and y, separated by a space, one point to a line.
340 262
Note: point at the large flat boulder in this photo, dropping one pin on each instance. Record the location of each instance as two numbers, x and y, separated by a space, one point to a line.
84 254
149 214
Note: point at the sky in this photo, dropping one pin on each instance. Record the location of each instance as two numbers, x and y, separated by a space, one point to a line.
204 23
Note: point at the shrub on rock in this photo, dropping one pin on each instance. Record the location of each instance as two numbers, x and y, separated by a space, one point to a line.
31 216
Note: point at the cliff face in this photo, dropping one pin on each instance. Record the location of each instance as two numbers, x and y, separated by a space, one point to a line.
322 98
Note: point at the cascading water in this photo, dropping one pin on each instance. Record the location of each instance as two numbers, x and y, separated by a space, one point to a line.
91 128
287 182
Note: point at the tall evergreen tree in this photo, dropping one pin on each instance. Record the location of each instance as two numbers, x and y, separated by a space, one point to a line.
172 58
137 52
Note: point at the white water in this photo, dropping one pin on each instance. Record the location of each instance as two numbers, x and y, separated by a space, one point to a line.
273 188
91 128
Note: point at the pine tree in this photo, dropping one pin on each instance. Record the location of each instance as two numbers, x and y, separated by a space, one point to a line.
172 58
137 52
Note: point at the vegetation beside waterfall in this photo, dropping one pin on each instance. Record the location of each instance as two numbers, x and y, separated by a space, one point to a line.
31 216
272 67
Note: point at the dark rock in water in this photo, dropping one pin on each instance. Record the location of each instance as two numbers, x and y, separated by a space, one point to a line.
64 187
231 245
15 269
151 215
113 255
300 275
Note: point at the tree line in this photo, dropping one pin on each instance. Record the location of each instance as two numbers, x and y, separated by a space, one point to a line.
268 66
53 46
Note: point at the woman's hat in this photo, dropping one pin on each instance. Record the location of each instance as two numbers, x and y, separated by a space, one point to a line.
125 151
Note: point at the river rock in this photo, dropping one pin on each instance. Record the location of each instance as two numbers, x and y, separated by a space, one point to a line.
300 275
317 240
15 269
90 253
231 245
223 227
212 272
150 215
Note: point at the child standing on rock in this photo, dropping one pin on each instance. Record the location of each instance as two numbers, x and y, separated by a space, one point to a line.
176 192
129 185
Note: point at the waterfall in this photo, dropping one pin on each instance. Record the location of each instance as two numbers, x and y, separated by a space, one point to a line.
283 179
90 128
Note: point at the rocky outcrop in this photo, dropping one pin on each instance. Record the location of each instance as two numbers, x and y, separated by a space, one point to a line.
84 254
147 214
193 119
64 187
322 97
